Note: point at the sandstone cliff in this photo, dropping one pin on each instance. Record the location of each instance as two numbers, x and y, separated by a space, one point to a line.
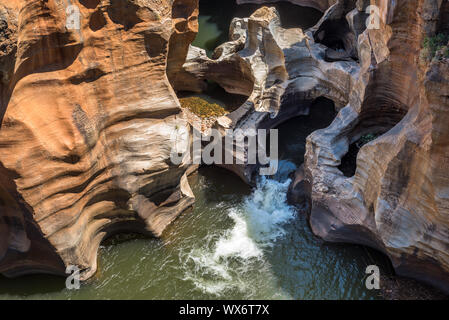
87 113
321 5
397 200
87 117
282 71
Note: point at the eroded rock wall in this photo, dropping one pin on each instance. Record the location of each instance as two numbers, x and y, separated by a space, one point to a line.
321 5
280 70
397 201
87 117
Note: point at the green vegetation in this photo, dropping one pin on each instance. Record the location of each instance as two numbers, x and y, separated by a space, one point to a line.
202 107
433 44
367 138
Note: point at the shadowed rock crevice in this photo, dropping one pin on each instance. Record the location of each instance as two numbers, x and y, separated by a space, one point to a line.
333 33
372 125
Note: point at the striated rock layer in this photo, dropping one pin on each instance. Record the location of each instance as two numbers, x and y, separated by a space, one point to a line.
321 5
280 70
398 199
87 117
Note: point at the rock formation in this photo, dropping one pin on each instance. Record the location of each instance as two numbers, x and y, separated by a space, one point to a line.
87 115
398 199
321 5
281 71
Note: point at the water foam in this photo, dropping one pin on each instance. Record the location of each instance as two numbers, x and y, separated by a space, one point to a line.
226 261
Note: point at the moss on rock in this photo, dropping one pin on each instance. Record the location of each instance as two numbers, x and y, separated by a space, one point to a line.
202 107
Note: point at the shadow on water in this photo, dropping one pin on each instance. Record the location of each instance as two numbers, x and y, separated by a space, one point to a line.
306 267
216 181
30 285
215 19
294 132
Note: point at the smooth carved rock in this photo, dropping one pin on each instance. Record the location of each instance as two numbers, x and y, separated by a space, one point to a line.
398 199
87 118
274 67
321 5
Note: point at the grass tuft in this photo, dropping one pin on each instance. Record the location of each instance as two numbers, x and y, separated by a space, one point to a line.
431 45
202 107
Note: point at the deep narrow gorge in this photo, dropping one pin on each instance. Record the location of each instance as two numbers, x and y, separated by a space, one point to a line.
88 117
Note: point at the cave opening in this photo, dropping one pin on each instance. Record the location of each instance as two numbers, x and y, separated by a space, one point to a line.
349 161
294 131
373 124
332 32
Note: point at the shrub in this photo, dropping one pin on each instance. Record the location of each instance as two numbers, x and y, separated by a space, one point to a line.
367 138
202 107
433 44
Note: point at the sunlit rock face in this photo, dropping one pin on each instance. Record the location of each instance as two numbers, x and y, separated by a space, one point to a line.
280 70
87 119
321 5
398 199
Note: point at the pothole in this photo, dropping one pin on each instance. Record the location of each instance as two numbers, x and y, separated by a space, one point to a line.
372 125
214 28
210 104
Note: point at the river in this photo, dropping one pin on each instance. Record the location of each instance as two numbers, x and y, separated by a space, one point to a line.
237 242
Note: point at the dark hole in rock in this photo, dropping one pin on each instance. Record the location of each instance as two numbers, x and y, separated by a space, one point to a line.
294 132
124 13
349 162
214 28
72 158
97 21
332 33
443 20
90 4
374 122
181 9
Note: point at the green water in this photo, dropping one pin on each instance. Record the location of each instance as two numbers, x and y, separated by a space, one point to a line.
215 19
237 243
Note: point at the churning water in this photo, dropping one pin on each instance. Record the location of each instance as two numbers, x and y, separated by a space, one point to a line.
233 260
237 243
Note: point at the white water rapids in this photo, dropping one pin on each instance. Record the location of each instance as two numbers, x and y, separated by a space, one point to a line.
226 261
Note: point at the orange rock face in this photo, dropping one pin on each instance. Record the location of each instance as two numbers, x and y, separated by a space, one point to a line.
398 198
87 114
